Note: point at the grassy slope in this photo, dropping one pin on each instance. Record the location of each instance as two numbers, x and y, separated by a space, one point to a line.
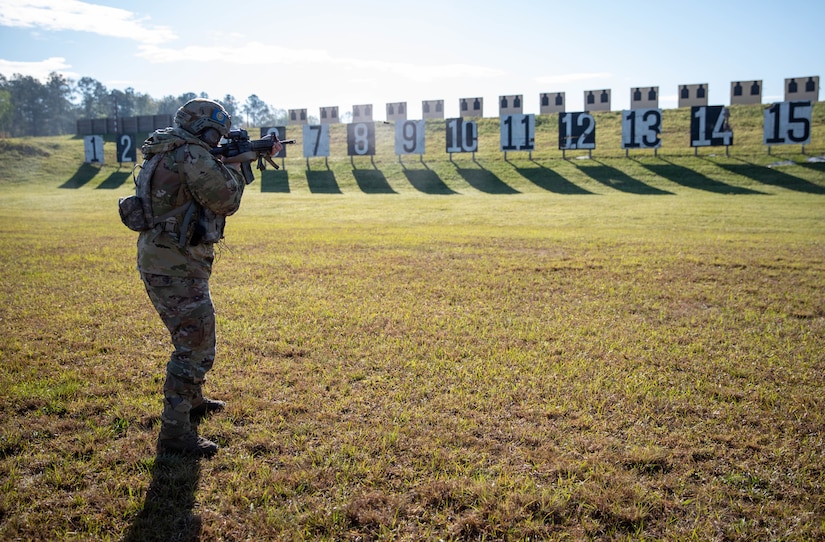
625 348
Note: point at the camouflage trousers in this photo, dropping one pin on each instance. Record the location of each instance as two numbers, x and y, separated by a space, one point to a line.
185 306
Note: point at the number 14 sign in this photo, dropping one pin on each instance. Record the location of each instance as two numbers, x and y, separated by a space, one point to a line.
709 126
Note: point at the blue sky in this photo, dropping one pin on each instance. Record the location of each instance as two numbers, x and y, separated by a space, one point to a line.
313 53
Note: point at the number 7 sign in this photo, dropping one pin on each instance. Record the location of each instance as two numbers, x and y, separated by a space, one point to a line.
316 140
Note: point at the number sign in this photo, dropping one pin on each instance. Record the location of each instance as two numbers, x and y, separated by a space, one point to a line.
641 129
280 133
126 150
361 139
316 140
409 137
709 126
93 149
577 131
462 135
788 123
517 132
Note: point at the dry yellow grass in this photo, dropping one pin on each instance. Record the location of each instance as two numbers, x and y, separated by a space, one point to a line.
637 357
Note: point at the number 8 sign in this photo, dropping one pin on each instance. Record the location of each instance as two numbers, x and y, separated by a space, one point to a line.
361 139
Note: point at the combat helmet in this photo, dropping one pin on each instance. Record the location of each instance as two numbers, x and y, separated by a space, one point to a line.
198 115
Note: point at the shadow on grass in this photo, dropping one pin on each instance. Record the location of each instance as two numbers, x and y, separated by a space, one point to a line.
427 181
816 166
550 180
485 181
275 180
693 179
83 175
167 512
774 177
372 181
322 182
115 180
619 180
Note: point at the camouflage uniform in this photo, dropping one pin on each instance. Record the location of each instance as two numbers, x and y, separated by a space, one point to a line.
175 261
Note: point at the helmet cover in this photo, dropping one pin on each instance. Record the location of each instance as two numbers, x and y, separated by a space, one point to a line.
197 115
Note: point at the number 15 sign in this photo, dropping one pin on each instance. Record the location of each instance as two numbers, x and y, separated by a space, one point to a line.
788 123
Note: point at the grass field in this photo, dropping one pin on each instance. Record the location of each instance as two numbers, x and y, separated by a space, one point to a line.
533 349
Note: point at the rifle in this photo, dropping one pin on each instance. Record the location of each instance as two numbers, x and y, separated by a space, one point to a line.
238 142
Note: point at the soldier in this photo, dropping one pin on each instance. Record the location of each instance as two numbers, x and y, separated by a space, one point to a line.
192 193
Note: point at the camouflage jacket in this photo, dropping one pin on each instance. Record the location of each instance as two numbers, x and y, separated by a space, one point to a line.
187 173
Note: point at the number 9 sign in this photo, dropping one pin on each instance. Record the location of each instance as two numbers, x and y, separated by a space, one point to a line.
409 137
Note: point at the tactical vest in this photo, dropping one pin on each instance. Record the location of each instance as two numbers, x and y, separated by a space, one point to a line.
189 222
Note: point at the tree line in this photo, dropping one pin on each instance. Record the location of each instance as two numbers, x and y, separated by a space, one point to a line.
29 107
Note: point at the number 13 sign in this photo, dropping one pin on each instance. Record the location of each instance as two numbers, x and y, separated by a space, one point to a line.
641 129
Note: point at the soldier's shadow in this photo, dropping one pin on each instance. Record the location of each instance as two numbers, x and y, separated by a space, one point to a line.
168 509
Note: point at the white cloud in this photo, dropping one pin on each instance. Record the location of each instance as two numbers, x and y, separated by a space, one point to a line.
572 77
39 70
81 17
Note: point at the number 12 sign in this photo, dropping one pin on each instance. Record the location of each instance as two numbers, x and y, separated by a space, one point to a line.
577 131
